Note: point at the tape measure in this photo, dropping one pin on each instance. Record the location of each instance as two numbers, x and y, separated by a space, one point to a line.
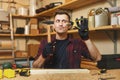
24 72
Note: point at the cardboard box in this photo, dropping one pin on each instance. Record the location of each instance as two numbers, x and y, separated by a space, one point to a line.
5 44
20 54
4 15
34 31
33 21
33 49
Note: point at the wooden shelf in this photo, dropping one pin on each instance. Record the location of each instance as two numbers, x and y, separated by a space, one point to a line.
23 35
6 57
111 27
19 58
10 57
4 35
22 17
74 4
29 35
6 50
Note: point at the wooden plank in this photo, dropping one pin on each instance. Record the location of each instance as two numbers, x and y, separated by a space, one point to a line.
93 75
71 5
111 27
74 4
54 71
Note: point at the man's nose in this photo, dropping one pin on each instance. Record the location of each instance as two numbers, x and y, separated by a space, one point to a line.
61 23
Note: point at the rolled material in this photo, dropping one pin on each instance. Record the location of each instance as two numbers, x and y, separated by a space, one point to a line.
32 10
27 29
32 2
5 44
22 11
32 7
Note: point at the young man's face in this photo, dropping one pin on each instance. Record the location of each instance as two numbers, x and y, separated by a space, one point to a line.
61 22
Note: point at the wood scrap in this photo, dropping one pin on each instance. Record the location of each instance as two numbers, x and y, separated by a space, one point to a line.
54 71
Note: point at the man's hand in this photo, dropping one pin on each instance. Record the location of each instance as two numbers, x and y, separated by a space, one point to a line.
83 30
38 63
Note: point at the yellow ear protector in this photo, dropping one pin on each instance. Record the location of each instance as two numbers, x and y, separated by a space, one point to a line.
69 24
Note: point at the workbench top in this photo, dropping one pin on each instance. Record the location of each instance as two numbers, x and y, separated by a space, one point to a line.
112 74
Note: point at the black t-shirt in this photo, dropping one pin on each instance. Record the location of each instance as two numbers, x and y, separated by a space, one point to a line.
60 59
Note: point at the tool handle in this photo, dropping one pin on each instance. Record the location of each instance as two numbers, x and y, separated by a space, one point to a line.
48 33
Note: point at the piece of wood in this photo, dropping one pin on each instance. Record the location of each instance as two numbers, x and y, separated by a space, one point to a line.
54 71
48 33
93 75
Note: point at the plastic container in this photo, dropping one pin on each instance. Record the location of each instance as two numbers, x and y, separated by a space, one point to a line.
118 19
22 11
27 31
114 19
101 17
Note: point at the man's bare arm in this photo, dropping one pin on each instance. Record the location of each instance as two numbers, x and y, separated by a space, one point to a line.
95 54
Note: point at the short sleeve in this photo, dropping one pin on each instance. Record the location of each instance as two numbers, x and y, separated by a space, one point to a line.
84 50
43 42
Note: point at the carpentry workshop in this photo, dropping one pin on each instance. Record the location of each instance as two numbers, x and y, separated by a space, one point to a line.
59 39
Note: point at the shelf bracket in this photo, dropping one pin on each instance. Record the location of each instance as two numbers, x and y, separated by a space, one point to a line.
115 42
113 3
114 39
109 35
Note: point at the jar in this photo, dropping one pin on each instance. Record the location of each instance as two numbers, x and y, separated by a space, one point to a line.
114 19
91 18
118 19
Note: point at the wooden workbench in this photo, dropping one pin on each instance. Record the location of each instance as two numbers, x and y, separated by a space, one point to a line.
93 75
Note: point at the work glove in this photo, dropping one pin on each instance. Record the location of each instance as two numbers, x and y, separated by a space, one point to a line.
82 25
48 53
48 50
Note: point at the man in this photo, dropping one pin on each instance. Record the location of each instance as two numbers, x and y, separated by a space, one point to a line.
64 52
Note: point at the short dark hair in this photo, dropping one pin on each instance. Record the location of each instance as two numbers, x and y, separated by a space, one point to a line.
62 12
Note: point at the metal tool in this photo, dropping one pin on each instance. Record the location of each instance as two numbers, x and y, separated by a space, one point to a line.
24 72
106 78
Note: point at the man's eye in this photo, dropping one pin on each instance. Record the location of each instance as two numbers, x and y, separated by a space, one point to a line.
57 21
64 21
